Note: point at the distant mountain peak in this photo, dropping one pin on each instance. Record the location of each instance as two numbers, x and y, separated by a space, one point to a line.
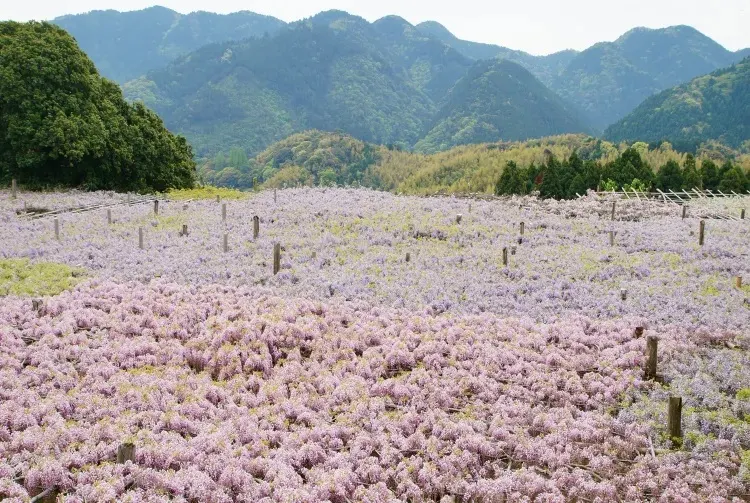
437 30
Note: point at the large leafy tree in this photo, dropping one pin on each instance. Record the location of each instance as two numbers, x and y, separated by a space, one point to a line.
61 124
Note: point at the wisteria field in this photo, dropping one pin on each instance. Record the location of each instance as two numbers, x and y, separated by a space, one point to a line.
395 357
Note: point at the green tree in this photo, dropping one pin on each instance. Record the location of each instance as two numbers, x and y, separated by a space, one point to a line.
734 180
669 176
512 181
238 159
62 124
691 178
551 186
327 178
710 175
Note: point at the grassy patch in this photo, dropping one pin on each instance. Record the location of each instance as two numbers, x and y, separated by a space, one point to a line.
23 278
207 192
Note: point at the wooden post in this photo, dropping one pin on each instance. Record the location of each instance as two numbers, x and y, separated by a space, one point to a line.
109 217
674 420
738 281
702 233
125 453
128 198
218 198
523 225
505 256
611 238
13 188
614 203
256 226
224 212
276 258
639 331
469 207
513 250
408 256
652 344
274 195
623 294
226 243
140 238
184 206
684 211
156 206
184 230
57 229
458 218
742 214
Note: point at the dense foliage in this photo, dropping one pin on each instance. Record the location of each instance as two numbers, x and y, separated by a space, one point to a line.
608 80
126 45
61 124
715 106
498 99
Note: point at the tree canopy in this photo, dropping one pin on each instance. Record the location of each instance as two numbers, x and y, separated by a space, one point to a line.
61 124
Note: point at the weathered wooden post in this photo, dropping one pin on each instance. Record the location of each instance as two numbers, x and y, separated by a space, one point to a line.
652 344
13 188
408 256
125 453
638 332
226 243
742 214
702 233
623 294
738 281
505 256
255 183
109 217
674 419
156 206
224 212
276 258
256 226
57 229
458 218
128 198
513 250
684 211
611 238
614 204
184 230
140 238
274 195
218 198
469 207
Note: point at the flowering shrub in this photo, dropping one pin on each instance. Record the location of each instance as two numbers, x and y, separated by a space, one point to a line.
354 375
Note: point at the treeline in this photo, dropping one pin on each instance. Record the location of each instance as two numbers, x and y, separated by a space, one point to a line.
62 125
573 176
309 158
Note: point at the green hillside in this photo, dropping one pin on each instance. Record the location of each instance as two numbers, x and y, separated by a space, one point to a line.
714 106
610 79
545 68
498 99
126 45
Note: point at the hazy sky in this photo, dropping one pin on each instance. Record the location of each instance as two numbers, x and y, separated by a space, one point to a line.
536 26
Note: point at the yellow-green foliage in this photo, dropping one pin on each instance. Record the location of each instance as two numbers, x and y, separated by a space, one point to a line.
207 192
23 278
476 168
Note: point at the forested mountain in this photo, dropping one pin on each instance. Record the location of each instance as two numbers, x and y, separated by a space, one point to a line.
714 106
498 99
61 124
382 82
545 68
126 45
610 79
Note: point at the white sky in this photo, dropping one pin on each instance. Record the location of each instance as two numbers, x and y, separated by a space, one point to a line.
536 26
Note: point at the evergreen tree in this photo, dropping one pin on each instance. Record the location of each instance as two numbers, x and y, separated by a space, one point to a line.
691 178
551 186
669 176
62 124
734 180
512 181
710 175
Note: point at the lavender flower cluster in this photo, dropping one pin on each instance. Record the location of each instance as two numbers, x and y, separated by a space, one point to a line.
230 394
352 245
